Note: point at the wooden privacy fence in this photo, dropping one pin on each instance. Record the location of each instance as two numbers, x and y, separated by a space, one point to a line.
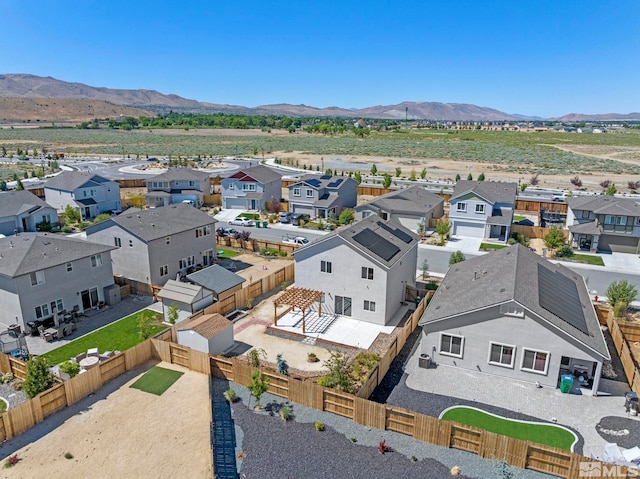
254 244
535 206
536 231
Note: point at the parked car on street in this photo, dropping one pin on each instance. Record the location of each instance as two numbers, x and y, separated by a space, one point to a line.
297 217
242 221
226 231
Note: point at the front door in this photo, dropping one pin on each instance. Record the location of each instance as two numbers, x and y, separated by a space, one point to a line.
89 298
87 212
253 205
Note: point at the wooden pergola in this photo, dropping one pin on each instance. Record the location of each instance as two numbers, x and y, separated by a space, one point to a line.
300 298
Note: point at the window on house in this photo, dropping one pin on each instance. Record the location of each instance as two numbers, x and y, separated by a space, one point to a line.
186 262
192 183
230 186
512 309
69 267
501 354
479 208
96 260
46 218
585 214
369 306
309 193
117 241
621 220
638 220
385 215
37 277
325 266
42 311
167 240
451 345
164 270
342 305
57 305
130 243
367 273
535 361
207 230
461 207
248 187
296 192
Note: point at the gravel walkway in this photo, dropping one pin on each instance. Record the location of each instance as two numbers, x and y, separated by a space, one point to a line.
12 396
269 448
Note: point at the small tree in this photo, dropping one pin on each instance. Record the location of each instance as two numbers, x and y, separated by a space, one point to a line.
632 185
470 177
412 176
398 172
604 184
258 385
456 257
425 269
19 185
576 181
534 180
621 292
554 238
442 228
611 190
283 367
423 173
481 177
172 313
374 169
523 187
346 217
457 176
144 326
255 355
38 377
339 376
71 214
386 182
358 177
72 369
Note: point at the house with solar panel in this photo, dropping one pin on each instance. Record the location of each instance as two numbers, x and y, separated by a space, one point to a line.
362 270
251 189
322 196
91 194
515 314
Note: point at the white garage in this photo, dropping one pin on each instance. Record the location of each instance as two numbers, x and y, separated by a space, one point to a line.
471 230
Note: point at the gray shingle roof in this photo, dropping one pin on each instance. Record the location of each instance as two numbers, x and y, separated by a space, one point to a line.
492 191
29 252
13 203
259 173
383 237
181 292
605 205
157 223
414 199
324 181
216 278
180 174
71 180
509 274
589 228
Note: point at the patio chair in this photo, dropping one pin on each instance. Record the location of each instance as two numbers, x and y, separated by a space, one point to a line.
60 333
92 352
48 337
80 357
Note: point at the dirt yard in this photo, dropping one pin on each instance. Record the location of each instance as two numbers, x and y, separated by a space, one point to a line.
261 266
130 433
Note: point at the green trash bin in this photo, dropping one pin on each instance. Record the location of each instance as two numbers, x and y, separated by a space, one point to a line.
566 382
264 224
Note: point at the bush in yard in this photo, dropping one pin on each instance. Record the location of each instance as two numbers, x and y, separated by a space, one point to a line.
72 369
285 413
619 309
230 395
565 251
456 257
554 238
346 217
72 215
621 292
38 377
258 385
319 426
511 241
442 228
172 313
339 376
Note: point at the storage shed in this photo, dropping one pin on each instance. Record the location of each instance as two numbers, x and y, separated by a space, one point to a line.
189 298
209 333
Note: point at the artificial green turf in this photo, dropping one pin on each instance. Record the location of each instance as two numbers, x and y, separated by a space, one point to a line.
586 258
491 246
517 218
157 380
226 253
118 336
546 434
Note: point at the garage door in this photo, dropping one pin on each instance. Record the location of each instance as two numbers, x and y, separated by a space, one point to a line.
472 230
618 244
308 210
7 228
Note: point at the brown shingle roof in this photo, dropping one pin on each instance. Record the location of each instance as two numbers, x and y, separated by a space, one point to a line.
207 325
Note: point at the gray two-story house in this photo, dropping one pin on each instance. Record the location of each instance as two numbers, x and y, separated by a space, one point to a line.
482 209
412 207
362 269
515 314
322 196
22 211
91 194
251 189
155 245
42 274
177 185
604 223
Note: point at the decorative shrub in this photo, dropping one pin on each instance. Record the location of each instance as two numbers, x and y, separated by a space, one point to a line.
230 395
11 461
72 369
285 413
384 447
319 426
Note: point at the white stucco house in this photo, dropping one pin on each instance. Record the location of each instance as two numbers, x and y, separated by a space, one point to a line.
89 193
363 269
515 314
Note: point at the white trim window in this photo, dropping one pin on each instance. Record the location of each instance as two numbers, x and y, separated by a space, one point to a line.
248 187
480 208
96 260
164 270
325 266
309 193
117 241
534 361
42 311
451 345
296 192
37 277
370 306
186 262
367 273
501 354
461 207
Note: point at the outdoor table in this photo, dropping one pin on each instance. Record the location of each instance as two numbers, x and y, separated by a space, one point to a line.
52 331
89 362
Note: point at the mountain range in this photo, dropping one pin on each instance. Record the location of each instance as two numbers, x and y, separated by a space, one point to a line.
98 102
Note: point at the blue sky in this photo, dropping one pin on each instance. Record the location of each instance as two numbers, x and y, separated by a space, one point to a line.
545 58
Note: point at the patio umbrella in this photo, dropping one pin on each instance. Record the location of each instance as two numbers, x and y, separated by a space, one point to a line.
56 321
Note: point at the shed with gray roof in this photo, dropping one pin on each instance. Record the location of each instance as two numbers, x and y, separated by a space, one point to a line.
218 280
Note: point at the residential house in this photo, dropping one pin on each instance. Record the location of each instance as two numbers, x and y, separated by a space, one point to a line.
90 193
155 245
482 209
362 269
251 189
412 207
322 196
177 185
515 314
209 333
42 274
22 211
185 297
604 223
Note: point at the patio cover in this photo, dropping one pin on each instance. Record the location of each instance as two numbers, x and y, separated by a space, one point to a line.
590 228
300 298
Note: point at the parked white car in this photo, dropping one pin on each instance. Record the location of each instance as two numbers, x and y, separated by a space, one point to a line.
242 221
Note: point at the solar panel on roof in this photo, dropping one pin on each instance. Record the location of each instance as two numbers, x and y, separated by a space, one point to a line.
559 295
325 177
398 233
333 184
314 182
376 244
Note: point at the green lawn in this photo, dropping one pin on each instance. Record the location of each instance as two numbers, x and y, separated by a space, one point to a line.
157 380
540 433
517 218
585 258
118 336
491 246
226 253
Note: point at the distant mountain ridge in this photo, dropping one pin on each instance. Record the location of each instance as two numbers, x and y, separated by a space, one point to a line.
37 87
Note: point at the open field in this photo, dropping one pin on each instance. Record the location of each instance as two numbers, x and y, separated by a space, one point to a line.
500 154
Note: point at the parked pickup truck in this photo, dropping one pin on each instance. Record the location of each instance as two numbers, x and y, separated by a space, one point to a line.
299 240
